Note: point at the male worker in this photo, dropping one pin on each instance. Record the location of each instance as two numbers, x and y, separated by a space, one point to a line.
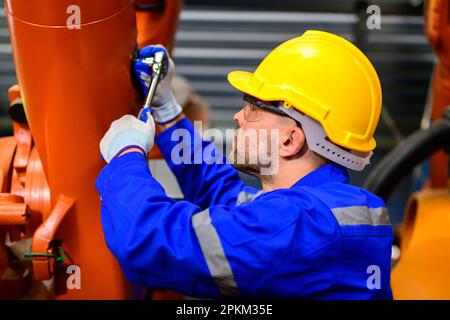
307 234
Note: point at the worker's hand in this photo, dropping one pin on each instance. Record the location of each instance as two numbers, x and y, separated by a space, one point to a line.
144 73
128 132
165 106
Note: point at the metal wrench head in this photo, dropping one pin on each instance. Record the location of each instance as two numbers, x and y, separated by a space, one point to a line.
158 66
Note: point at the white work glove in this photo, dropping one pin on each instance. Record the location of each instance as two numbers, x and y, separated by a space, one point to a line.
165 107
125 133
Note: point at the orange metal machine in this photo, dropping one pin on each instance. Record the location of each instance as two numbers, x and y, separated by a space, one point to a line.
73 82
422 271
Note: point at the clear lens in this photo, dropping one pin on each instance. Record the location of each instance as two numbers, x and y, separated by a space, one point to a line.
251 113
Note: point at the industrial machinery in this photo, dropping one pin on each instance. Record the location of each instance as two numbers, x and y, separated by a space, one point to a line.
422 269
73 67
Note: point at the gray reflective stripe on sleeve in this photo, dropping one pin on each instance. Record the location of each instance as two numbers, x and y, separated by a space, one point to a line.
214 254
245 196
357 215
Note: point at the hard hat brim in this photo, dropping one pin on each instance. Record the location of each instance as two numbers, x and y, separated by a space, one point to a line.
240 80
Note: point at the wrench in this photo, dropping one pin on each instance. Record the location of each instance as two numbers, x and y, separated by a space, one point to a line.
158 65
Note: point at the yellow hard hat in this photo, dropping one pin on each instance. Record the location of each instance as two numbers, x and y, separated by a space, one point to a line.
326 78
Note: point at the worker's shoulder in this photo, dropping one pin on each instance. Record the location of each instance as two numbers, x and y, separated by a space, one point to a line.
355 210
334 204
339 194
329 194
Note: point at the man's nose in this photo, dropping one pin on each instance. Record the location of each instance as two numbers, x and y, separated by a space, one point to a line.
238 116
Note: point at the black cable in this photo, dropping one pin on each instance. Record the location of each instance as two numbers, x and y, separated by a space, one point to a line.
405 156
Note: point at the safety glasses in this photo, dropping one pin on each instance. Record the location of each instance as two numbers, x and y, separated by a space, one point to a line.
253 109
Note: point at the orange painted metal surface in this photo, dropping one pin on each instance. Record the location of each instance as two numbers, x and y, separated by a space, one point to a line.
15 219
7 149
14 210
24 177
423 269
43 266
36 193
158 23
73 83
437 16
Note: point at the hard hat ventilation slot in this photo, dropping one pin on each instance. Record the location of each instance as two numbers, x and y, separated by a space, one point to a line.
318 142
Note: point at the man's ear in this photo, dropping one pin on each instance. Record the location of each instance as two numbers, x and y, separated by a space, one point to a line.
292 141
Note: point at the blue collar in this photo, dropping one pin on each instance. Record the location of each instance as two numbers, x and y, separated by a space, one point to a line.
325 174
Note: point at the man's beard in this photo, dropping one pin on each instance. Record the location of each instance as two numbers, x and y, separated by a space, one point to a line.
242 162
251 169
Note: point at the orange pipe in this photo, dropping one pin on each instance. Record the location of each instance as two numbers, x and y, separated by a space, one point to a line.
158 25
74 83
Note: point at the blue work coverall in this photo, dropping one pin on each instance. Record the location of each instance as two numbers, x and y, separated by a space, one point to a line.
319 239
